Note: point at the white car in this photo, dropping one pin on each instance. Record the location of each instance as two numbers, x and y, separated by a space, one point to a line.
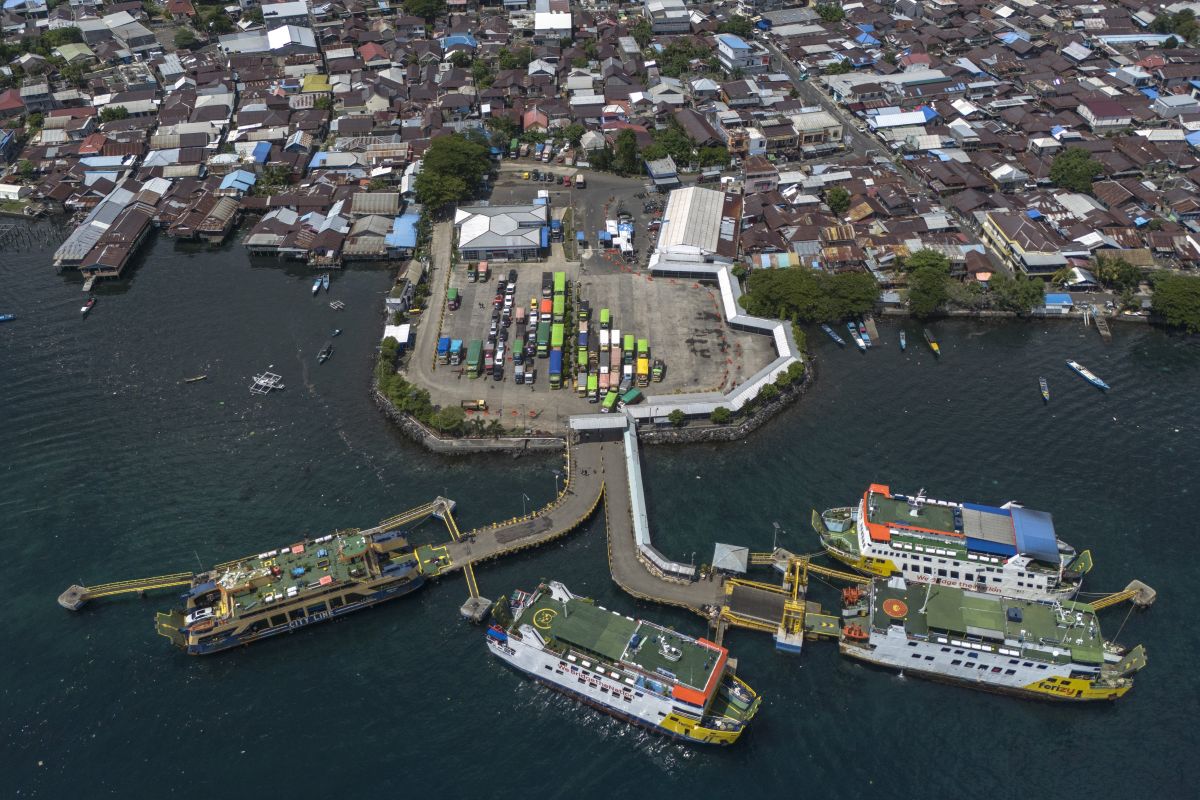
198 615
508 302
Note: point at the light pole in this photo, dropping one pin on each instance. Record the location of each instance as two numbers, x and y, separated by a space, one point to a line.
557 475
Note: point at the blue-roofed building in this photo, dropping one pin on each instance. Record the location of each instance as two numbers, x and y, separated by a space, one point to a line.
262 151
402 241
238 182
737 54
459 41
1059 303
8 146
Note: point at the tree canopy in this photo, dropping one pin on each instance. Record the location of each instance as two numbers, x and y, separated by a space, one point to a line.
425 9
1117 273
514 59
809 295
184 38
1074 169
927 290
642 32
677 57
1176 300
452 170
830 12
738 26
1020 294
112 113
838 200
926 258
625 160
671 141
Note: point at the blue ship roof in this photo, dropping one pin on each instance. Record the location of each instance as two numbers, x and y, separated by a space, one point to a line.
1035 534
994 548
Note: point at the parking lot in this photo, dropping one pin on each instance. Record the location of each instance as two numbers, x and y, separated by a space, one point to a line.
680 319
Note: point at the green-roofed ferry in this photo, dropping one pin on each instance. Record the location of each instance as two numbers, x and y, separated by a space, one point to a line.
1035 650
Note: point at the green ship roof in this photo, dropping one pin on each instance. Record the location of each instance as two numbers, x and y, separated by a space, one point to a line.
611 636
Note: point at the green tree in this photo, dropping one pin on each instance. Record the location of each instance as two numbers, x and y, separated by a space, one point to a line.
26 170
1117 273
677 418
1176 300
676 59
1020 294
720 415
838 200
255 15
217 21
809 295
768 393
641 32
449 419
602 159
113 113
712 156
482 74
738 26
324 102
830 12
460 59
1074 169
671 141
185 37
573 133
57 37
438 190
927 290
34 120
514 59
840 68
625 154
462 156
503 126
427 10
926 258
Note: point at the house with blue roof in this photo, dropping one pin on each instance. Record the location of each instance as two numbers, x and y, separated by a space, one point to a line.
238 182
738 55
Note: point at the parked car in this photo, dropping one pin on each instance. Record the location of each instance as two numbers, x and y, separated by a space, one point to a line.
495 327
497 301
512 277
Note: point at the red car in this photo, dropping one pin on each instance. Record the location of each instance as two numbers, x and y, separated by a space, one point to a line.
498 301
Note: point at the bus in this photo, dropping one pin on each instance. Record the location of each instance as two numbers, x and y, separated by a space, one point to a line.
560 283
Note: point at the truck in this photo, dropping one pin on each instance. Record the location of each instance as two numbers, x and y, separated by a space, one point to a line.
472 271
557 332
626 374
556 369
614 339
627 347
524 149
581 356
560 283
580 181
453 300
593 388
456 352
657 370
443 350
547 284
559 307
605 319
489 357
474 405
603 340
614 360
556 230
485 272
610 401
544 309
643 371
630 397
519 316
583 337
581 383
474 354
543 339
585 311
537 153
605 378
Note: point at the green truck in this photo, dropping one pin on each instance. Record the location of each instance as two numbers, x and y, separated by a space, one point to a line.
543 339
474 357
560 283
605 319
610 401
629 398
557 332
559 308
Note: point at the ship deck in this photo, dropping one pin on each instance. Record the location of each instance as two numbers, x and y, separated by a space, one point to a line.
301 566
889 511
609 635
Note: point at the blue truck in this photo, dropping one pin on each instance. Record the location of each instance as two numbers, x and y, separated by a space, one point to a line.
556 230
443 350
556 369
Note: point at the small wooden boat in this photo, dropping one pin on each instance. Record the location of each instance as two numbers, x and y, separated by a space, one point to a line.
325 353
858 340
91 301
1088 375
932 342
316 286
1045 387
7 317
903 342
862 331
325 281
832 335
195 379
336 332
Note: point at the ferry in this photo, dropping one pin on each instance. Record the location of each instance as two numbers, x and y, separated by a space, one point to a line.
933 345
1008 550
282 590
903 342
91 301
635 670
832 335
1088 375
858 340
998 644
1044 385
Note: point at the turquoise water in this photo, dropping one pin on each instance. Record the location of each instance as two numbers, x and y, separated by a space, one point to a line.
113 469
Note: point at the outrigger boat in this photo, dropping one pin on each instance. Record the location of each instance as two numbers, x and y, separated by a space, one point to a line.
195 379
316 286
1045 387
325 281
858 340
862 331
933 345
1088 375
91 301
832 335
325 353
903 342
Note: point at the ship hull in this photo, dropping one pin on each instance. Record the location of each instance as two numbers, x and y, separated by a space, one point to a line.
241 639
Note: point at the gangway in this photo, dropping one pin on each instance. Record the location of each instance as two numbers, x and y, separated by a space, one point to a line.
476 607
1141 595
77 596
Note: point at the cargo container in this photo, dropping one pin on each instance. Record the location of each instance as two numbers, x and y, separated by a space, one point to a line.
582 336
593 388
560 308
443 350
456 351
643 371
603 340
583 326
560 283
610 401
630 397
453 301
474 352
614 339
557 331
555 369
581 356
605 319
543 339
604 380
